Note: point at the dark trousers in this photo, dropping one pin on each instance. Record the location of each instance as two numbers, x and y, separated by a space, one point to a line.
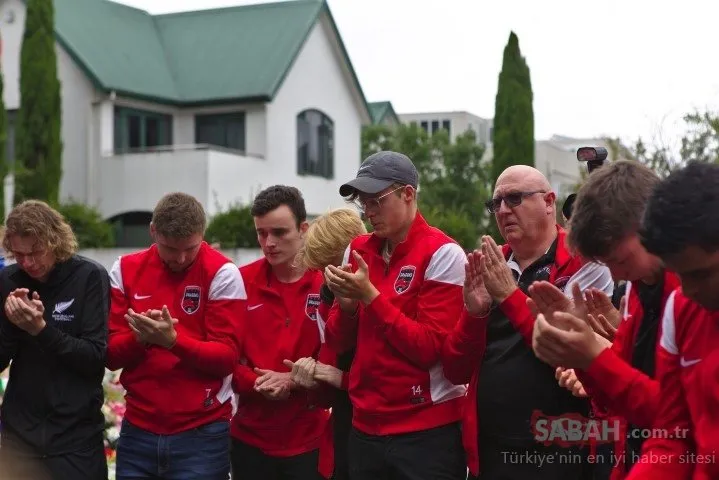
19 461
341 428
604 462
434 454
250 463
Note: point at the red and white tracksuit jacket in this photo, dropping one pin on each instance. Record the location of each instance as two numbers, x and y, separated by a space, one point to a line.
396 382
279 322
685 445
173 390
618 389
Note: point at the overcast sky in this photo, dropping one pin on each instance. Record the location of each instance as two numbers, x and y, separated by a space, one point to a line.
598 67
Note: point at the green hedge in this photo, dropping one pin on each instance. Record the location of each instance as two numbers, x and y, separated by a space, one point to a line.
89 227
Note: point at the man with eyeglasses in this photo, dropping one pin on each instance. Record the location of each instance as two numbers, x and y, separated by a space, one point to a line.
494 336
398 294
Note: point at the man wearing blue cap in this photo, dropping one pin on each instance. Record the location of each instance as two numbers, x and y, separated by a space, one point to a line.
399 293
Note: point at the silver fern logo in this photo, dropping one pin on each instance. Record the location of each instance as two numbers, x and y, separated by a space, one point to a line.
59 315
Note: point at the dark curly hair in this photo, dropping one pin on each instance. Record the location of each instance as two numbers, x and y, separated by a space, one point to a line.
683 212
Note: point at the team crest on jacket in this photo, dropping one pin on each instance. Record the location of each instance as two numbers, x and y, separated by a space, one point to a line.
404 278
312 306
191 299
561 283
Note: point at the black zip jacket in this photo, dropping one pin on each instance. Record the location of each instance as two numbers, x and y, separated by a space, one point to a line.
54 393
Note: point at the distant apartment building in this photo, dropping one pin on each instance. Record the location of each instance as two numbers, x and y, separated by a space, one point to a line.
456 123
555 157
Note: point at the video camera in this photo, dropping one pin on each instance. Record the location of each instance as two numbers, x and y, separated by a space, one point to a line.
595 157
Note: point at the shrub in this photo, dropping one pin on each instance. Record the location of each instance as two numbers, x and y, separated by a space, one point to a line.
89 227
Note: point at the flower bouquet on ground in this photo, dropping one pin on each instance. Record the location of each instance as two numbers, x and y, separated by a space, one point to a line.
114 410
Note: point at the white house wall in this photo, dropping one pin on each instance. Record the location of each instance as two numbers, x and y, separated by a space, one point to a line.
78 131
135 182
11 35
316 80
77 94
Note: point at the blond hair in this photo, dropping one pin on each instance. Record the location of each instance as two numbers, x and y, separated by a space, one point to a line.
37 219
328 236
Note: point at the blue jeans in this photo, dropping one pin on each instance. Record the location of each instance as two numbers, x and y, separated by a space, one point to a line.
202 453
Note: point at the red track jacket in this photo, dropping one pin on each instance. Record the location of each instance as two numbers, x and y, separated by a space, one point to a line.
396 381
169 391
279 322
686 445
615 386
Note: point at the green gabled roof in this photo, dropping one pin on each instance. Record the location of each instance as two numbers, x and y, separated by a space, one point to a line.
207 56
380 110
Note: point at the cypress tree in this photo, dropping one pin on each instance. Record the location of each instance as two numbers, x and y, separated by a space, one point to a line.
513 142
38 166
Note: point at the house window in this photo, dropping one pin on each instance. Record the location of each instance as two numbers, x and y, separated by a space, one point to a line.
223 130
435 126
425 126
315 144
445 126
141 130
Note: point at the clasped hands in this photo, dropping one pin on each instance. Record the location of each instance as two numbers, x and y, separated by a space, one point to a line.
305 373
24 312
488 279
348 286
153 327
571 333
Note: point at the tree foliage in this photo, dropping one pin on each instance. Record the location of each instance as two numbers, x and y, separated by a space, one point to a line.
90 229
454 181
233 228
38 167
699 142
513 141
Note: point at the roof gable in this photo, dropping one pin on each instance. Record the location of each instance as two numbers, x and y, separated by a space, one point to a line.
208 56
381 110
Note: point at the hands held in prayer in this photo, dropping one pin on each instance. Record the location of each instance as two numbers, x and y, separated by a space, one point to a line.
25 313
350 287
570 333
153 327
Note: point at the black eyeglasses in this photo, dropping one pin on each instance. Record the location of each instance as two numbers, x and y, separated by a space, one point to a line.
512 200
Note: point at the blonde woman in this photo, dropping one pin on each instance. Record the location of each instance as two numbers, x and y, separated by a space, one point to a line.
325 243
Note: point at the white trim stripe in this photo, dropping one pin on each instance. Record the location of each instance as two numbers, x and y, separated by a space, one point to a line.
228 284
116 276
669 327
447 265
440 389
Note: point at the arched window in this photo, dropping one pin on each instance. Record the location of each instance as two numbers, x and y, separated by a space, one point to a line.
315 144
